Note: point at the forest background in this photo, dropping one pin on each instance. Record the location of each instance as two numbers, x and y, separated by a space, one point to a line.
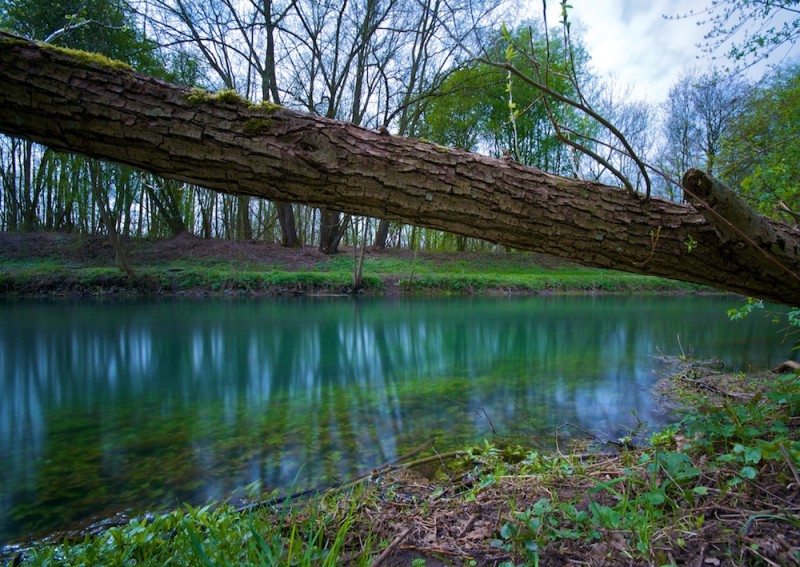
404 65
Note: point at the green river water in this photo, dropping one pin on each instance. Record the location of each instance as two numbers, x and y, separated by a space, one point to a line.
112 406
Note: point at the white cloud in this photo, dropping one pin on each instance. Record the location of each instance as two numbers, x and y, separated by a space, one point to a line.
632 41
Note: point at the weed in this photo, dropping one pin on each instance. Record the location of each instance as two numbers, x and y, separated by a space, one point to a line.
213 536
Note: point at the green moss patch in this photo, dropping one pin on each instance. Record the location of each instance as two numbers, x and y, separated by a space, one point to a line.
197 96
91 58
256 126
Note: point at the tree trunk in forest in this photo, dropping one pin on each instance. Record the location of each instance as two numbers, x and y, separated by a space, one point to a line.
244 228
331 230
287 224
167 201
381 235
100 198
77 103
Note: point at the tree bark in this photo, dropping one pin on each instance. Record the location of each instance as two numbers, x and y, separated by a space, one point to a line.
331 230
287 224
75 103
381 235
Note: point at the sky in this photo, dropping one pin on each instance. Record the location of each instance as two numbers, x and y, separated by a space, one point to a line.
631 41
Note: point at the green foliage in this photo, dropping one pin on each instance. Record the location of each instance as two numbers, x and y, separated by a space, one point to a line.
212 536
458 276
737 313
481 105
691 243
762 150
791 318
744 437
733 443
767 25
93 58
104 27
256 126
266 106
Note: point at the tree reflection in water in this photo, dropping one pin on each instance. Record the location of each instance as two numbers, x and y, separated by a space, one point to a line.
136 404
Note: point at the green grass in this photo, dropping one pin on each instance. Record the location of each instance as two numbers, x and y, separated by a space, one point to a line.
438 273
220 535
494 272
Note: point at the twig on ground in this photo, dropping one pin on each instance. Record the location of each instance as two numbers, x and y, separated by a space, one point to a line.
391 548
336 485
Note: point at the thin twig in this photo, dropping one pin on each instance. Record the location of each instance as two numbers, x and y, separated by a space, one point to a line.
478 411
392 546
336 485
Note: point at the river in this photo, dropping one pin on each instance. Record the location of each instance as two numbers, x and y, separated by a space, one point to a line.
112 406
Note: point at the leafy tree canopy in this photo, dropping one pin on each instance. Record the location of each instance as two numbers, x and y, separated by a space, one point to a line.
483 108
99 26
762 152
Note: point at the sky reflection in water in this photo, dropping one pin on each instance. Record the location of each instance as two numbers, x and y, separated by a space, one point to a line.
130 405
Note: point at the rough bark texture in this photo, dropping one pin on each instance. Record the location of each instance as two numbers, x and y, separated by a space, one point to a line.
739 227
71 103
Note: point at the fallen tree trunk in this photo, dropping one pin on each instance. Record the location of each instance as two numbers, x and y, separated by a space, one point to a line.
79 103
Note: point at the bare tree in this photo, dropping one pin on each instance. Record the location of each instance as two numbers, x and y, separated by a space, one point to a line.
636 120
369 62
238 41
716 100
425 56
750 30
698 112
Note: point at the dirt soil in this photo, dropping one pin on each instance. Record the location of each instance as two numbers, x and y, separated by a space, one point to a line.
96 250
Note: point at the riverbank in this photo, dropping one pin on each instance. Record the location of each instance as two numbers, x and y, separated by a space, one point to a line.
57 264
720 488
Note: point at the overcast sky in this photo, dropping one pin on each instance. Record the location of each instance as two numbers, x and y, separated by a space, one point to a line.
631 40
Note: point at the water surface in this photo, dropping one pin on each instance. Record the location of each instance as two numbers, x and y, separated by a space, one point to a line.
130 405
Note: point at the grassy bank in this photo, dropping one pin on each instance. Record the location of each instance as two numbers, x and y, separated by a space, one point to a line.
720 488
71 265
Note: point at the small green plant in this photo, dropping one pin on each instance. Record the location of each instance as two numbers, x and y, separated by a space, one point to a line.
745 436
216 536
790 318
547 521
266 106
664 439
743 311
690 243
